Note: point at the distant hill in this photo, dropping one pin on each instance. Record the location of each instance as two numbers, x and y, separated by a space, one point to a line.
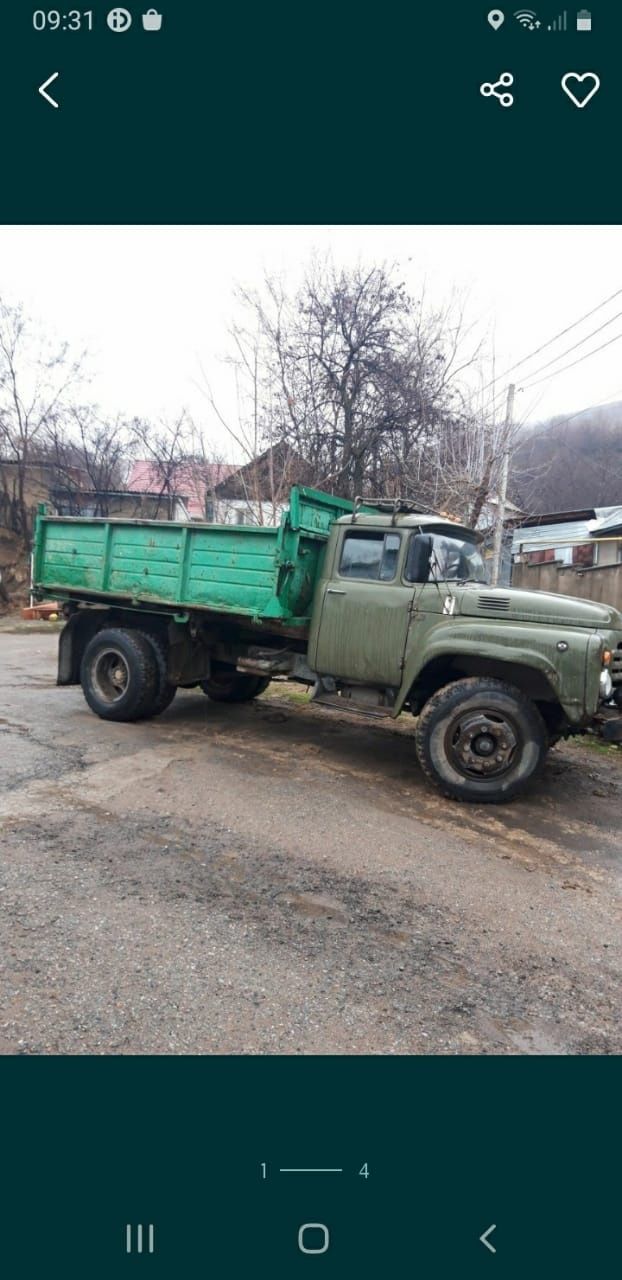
570 462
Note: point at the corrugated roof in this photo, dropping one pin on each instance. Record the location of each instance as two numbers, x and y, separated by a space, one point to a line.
560 517
550 535
610 521
565 532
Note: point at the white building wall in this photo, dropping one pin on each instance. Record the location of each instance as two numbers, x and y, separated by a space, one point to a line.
244 512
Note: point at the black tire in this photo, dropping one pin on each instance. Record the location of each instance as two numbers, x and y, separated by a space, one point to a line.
480 740
228 685
119 674
165 691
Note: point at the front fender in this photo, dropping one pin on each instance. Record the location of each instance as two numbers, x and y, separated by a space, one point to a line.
434 639
593 668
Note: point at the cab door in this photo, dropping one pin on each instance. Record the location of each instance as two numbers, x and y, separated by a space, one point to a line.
365 610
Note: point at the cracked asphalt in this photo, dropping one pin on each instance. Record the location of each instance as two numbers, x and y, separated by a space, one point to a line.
273 878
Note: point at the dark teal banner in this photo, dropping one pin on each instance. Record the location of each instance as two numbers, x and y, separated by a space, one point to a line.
321 114
391 1167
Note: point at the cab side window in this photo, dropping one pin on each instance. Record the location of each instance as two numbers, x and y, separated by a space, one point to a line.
369 555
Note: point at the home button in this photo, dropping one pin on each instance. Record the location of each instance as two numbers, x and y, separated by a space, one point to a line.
313 1237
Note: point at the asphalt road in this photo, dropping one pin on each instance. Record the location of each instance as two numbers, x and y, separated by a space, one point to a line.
273 878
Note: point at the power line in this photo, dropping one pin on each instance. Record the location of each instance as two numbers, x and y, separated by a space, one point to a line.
528 412
586 459
574 347
572 364
550 376
553 424
501 396
550 342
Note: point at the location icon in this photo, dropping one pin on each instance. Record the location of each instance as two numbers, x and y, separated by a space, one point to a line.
496 18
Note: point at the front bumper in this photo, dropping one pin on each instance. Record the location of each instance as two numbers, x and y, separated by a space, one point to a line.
609 725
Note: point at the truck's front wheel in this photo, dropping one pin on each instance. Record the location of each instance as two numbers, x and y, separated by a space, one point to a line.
480 740
119 674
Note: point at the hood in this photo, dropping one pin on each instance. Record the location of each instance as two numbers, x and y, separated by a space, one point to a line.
479 601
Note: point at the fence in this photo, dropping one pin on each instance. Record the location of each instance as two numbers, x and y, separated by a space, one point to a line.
602 583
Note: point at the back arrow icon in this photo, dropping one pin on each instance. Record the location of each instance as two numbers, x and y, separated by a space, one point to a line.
484 1238
46 85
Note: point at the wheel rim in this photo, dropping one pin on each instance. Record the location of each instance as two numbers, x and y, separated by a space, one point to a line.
482 743
110 675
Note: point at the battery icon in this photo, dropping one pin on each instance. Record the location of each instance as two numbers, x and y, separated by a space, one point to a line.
584 20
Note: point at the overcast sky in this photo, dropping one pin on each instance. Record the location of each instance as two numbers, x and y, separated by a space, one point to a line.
152 304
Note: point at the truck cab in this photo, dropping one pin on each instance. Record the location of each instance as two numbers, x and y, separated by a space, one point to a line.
378 575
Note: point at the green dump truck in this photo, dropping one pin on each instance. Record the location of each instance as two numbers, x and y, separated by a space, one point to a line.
381 608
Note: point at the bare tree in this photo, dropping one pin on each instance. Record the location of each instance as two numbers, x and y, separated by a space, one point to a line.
376 392
269 465
458 470
570 462
360 374
37 381
89 452
165 447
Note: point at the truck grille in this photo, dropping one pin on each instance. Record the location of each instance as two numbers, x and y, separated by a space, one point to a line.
616 665
494 602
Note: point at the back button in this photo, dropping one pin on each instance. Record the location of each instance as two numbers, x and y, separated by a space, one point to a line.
45 86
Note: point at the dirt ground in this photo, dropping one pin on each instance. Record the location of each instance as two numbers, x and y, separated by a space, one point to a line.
272 878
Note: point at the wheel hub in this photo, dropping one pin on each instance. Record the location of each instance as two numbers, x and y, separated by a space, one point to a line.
110 675
482 743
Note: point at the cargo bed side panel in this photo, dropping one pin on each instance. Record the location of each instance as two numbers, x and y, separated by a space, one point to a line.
258 572
204 567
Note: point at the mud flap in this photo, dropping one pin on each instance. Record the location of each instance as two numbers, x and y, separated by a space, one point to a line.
73 640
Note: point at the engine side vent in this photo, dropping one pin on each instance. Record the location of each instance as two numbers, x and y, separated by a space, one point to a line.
494 602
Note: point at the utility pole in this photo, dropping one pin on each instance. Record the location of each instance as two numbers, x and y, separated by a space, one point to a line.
503 488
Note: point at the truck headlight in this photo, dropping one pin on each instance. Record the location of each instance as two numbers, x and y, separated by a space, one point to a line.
606 685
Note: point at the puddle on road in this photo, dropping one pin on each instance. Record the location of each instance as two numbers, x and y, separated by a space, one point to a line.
520 1035
314 906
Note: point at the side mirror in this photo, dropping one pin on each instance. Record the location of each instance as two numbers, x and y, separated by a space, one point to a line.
419 556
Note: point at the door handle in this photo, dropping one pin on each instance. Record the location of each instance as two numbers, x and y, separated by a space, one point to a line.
334 591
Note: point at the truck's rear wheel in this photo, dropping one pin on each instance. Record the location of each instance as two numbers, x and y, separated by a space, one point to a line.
480 740
119 674
228 685
165 691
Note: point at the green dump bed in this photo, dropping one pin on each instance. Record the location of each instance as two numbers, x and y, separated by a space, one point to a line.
262 573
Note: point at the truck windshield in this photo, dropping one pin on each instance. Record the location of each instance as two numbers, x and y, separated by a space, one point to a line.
455 560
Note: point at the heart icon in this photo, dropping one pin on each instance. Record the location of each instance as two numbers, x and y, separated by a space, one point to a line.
588 84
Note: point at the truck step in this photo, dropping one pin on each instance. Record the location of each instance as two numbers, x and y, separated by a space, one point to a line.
337 703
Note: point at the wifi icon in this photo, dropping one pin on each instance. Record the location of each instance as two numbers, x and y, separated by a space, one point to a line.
528 19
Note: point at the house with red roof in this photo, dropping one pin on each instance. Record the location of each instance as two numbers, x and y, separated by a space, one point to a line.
195 479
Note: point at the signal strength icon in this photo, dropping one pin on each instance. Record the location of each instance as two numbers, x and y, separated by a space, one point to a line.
560 23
